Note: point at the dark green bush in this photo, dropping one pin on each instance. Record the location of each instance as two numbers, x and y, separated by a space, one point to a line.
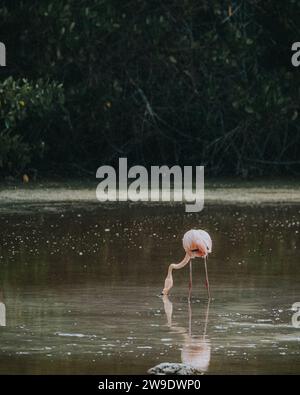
26 114
191 82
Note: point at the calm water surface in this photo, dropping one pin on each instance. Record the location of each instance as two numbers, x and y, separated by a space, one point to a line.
79 290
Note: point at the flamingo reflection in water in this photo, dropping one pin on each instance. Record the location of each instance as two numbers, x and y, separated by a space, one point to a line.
2 311
196 351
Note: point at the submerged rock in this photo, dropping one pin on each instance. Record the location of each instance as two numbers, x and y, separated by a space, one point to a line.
166 368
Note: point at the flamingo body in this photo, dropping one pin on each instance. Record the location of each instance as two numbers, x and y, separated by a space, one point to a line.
196 243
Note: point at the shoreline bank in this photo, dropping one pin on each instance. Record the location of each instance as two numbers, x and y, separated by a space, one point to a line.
214 194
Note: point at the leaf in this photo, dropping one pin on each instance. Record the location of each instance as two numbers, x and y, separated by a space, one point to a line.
249 110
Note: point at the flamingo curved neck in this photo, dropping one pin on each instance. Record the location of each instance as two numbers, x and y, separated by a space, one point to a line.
169 278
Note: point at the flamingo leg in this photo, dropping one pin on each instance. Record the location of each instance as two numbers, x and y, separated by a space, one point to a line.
191 280
207 282
190 317
206 319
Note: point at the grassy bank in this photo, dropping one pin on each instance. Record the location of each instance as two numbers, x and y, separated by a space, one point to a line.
216 192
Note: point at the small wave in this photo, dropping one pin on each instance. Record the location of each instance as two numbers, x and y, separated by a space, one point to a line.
73 334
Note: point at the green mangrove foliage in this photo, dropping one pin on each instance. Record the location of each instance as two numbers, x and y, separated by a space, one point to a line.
28 111
160 82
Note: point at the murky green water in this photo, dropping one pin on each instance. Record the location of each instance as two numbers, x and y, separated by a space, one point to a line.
79 290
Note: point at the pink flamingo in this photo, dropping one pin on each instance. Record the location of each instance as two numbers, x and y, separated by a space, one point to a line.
196 243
